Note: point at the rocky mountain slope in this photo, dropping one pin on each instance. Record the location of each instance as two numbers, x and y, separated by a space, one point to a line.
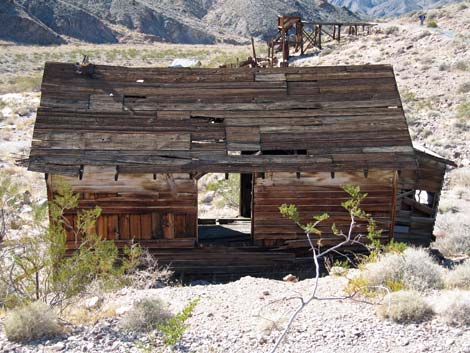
179 21
387 8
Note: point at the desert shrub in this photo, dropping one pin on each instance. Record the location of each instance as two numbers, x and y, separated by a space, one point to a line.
464 87
174 327
414 268
432 24
462 65
408 96
22 84
463 110
454 307
460 177
456 236
229 190
34 321
459 277
34 267
391 30
404 307
145 315
444 67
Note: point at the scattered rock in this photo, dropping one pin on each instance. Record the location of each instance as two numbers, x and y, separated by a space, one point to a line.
290 278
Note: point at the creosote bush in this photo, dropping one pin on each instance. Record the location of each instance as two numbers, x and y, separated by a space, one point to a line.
30 322
34 267
459 277
145 315
405 306
432 24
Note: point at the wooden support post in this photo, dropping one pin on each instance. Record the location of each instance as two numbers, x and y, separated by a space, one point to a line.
332 175
319 36
116 176
226 176
355 30
80 172
339 33
297 175
334 32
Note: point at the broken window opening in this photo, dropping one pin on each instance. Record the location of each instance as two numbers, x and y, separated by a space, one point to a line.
224 209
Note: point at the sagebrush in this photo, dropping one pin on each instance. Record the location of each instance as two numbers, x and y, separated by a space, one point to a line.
414 269
459 277
404 307
145 315
453 307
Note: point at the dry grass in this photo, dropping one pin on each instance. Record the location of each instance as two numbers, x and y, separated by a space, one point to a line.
80 315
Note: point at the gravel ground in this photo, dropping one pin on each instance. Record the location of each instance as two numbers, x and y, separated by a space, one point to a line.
228 318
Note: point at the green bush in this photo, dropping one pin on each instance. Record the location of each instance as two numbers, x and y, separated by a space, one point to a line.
174 327
34 267
229 190
145 315
432 24
404 307
33 321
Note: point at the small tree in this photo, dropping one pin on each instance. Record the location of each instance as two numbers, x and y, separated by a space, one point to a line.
353 207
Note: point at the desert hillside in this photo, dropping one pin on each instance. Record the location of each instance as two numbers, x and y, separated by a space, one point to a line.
182 21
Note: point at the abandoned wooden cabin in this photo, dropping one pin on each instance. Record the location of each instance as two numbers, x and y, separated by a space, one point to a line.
135 141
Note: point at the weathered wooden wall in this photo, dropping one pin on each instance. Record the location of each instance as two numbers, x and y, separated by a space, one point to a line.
317 193
415 221
160 212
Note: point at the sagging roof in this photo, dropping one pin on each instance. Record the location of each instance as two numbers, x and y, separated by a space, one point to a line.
220 120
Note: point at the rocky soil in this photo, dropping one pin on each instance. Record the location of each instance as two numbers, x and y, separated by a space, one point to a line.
242 317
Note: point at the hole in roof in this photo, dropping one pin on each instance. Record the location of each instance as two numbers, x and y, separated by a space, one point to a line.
140 81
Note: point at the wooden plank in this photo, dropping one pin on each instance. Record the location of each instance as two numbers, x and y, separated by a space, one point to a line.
135 226
112 226
168 225
124 227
